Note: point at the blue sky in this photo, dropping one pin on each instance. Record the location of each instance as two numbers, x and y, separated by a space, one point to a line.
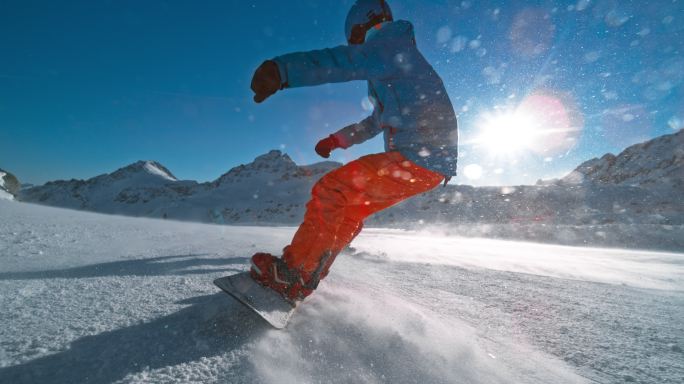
89 86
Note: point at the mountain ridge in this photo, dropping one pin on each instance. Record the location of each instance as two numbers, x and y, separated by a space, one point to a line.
270 186
640 164
273 189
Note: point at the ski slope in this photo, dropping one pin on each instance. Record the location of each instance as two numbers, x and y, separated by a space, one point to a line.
94 298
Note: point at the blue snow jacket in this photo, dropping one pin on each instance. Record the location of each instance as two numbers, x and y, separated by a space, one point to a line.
411 106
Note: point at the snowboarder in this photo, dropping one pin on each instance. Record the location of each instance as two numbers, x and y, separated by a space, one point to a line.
411 109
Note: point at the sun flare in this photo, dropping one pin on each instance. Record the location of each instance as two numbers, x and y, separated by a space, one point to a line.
509 133
540 124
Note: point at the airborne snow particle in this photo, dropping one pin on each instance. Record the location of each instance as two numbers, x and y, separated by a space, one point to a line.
610 95
675 123
493 75
443 34
582 5
590 57
644 32
616 18
458 43
531 32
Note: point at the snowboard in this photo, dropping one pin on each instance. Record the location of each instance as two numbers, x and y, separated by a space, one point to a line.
263 301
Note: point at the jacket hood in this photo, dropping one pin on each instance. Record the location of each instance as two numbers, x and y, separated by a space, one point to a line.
392 30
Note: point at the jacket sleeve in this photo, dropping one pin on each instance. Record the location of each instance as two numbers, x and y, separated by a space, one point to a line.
359 132
330 65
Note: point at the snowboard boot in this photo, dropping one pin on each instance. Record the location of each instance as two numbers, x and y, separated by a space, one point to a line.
272 272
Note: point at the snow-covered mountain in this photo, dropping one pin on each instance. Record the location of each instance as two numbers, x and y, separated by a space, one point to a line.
641 186
655 163
115 192
9 185
271 189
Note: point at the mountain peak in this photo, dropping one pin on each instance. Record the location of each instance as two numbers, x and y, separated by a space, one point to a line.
274 162
274 156
145 166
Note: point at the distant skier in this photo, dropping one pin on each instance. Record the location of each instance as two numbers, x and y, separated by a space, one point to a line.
411 108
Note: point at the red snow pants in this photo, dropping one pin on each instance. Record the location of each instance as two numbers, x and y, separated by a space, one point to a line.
343 198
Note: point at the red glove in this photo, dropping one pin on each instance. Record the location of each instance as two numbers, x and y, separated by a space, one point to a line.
325 146
266 80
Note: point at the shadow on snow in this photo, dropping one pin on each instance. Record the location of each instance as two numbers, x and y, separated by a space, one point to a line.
157 266
211 326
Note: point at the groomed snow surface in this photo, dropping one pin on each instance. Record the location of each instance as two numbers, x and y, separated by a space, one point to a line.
94 298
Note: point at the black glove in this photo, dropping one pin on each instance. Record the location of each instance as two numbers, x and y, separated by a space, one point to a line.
266 80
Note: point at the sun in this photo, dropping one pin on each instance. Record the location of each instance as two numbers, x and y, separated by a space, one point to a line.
541 124
509 133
